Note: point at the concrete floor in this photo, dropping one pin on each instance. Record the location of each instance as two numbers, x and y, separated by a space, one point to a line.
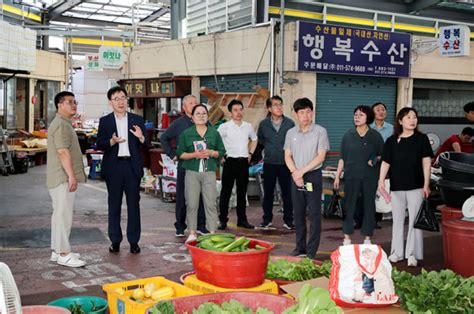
25 211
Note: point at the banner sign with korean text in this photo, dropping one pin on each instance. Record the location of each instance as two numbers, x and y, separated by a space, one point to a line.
92 62
454 41
110 57
346 50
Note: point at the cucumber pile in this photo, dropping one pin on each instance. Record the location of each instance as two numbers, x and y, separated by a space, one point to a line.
225 242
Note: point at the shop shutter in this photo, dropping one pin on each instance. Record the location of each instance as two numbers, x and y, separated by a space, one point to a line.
338 95
234 83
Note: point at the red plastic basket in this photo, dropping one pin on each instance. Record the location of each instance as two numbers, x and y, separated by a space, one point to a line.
274 303
231 269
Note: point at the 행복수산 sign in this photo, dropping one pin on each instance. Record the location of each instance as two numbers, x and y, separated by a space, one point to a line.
454 41
346 50
110 57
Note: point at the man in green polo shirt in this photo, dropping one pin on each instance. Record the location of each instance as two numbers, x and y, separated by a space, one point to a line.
64 171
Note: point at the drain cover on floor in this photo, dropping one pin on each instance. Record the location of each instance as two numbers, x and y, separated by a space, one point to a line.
38 238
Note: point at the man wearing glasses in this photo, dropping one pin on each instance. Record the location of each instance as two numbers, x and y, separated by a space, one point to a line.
120 136
64 171
271 134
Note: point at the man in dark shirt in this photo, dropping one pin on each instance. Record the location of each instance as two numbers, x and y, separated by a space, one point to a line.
469 111
172 133
271 134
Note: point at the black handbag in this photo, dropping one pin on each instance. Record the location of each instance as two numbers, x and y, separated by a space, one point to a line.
334 209
426 219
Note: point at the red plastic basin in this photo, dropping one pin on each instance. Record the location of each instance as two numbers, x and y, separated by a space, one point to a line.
274 303
231 269
448 213
44 309
458 245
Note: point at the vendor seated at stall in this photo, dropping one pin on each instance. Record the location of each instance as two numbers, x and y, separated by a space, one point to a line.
457 143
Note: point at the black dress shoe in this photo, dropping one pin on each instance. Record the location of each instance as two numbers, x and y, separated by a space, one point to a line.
245 225
134 249
222 226
202 231
114 248
298 253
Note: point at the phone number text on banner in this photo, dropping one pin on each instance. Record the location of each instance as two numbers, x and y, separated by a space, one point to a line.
346 50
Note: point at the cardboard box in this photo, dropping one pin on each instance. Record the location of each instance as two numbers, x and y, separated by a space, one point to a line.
294 288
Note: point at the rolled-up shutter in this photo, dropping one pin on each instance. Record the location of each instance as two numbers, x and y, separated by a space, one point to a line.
338 95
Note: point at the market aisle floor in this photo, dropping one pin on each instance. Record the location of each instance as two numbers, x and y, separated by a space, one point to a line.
25 211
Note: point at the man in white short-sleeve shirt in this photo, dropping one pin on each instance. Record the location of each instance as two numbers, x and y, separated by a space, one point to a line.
236 135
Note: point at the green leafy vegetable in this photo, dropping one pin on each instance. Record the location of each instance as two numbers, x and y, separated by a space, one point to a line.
434 292
76 309
230 307
162 307
297 271
314 301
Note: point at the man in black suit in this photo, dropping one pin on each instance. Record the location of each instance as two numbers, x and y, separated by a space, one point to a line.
120 137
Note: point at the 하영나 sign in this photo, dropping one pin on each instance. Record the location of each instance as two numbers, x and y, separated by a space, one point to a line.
110 57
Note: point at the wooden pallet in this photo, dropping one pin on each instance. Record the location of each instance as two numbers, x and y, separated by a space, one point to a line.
219 100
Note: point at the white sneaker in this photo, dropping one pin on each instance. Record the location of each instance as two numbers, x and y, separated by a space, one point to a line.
367 241
70 260
412 262
191 238
394 258
347 242
54 256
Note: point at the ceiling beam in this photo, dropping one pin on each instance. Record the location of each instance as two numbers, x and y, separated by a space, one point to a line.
114 4
447 14
417 6
80 10
60 8
84 33
85 21
155 15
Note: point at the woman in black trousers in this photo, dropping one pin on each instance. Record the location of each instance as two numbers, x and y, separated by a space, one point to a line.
361 149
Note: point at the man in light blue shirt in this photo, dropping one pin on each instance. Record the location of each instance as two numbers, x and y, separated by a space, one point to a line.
384 128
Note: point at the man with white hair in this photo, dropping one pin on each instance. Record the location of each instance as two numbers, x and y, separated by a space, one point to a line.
172 133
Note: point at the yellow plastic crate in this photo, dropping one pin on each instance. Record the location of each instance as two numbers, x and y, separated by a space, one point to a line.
122 304
192 282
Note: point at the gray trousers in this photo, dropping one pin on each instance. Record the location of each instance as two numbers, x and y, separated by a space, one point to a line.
401 200
195 184
61 220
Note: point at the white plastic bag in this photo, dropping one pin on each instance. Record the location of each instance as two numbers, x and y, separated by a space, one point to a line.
381 204
361 276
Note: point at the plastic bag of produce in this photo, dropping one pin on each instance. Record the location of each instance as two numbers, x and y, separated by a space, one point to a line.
361 277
